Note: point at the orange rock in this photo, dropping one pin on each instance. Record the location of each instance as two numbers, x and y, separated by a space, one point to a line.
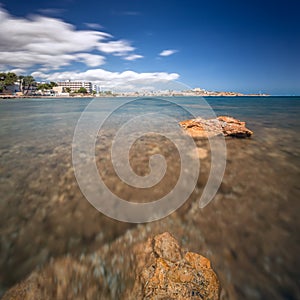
230 120
169 273
227 126
197 129
197 261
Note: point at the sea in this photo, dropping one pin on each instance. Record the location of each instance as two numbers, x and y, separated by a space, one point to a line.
249 229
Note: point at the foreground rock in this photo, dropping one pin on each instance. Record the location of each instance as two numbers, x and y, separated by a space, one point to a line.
165 271
226 126
156 269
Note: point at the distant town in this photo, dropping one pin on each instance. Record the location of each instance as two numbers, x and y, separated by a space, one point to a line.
13 86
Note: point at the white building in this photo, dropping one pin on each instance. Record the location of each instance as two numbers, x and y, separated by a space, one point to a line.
97 88
59 91
76 85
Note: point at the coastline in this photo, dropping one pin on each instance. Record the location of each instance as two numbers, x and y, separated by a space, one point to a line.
5 97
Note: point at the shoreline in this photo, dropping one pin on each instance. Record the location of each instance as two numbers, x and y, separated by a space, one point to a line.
6 97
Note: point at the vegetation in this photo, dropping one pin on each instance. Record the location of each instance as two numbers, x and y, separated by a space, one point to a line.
108 93
82 90
10 82
7 79
46 86
27 82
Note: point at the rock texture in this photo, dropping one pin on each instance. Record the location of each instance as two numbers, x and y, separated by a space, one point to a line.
222 125
156 269
165 271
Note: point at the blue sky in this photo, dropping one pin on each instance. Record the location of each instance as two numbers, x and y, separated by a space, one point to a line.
248 46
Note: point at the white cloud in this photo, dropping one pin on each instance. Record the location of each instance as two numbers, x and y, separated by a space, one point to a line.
17 71
53 43
91 60
133 57
127 80
51 11
24 59
118 48
93 25
167 52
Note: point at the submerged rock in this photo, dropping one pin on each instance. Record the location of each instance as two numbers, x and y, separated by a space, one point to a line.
222 125
156 269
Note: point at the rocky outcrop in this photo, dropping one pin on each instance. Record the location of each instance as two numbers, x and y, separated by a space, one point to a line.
156 269
226 126
165 271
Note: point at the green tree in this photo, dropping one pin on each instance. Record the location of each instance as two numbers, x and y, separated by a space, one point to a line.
44 86
11 78
7 79
53 84
82 90
28 83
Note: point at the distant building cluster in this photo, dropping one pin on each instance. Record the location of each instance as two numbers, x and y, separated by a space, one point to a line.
76 85
72 88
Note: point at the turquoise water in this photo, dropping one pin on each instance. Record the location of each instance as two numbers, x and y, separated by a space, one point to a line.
254 216
30 119
268 111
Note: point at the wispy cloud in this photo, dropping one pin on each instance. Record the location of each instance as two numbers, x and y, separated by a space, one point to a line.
93 25
118 48
17 71
167 52
50 43
133 57
51 11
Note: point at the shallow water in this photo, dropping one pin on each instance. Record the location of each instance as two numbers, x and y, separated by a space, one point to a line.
250 230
